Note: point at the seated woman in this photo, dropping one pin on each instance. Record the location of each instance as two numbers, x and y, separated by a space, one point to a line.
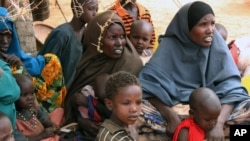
194 55
45 69
107 51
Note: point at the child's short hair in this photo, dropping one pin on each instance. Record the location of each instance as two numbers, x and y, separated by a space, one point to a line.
21 77
203 96
118 80
141 23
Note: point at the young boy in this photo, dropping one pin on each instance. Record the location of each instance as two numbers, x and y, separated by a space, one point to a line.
123 98
204 110
6 129
140 37
130 11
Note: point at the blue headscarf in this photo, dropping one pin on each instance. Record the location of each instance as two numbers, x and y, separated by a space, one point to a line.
33 65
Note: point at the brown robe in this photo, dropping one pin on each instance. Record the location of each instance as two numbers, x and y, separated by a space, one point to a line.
94 63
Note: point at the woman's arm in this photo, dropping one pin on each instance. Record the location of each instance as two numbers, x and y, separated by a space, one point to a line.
217 133
167 113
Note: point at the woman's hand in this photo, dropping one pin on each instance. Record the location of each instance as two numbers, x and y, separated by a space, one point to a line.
172 122
79 100
12 59
216 134
88 126
168 114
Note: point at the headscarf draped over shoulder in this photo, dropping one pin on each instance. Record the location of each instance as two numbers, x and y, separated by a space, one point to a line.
33 65
180 65
94 63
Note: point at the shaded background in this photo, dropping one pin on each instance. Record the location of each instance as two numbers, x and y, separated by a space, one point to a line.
233 14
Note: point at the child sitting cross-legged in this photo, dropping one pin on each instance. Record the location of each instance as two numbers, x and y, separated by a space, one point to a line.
32 121
204 110
123 98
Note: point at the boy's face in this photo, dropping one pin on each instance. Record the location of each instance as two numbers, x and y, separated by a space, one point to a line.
5 40
126 105
27 97
90 9
6 130
206 118
140 38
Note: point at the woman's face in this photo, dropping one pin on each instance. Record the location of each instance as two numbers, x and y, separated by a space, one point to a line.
114 41
202 33
5 40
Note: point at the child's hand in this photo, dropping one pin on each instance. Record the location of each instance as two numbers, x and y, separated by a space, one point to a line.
49 132
56 128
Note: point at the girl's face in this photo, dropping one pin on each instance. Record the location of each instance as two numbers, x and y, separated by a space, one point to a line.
5 40
202 33
6 130
125 105
90 9
114 41
27 97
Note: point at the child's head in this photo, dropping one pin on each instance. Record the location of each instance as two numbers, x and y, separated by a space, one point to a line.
123 98
27 97
99 86
141 35
123 2
6 131
222 30
205 107
84 9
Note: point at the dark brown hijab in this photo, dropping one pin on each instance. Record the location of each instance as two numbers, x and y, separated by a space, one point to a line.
94 63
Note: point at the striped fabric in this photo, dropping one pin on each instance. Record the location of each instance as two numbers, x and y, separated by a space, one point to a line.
112 132
144 14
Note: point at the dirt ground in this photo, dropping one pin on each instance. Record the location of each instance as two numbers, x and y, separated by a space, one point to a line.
233 14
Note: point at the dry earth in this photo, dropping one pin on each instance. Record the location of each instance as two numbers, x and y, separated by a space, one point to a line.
234 14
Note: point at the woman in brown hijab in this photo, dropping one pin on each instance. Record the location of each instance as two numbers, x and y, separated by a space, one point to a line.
106 50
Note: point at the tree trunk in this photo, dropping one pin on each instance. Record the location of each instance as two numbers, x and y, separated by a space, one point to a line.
25 30
26 34
4 3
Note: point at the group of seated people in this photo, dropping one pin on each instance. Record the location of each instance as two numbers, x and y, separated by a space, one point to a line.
99 71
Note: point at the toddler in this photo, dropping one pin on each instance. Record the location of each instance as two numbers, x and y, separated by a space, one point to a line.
32 121
140 37
204 110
